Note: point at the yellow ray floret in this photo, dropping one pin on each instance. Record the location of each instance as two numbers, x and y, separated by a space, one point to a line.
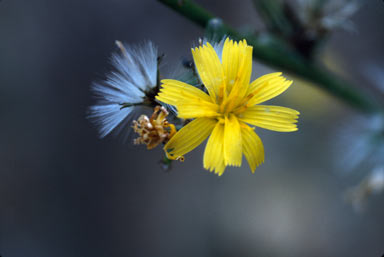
252 147
275 118
189 137
232 102
213 154
232 141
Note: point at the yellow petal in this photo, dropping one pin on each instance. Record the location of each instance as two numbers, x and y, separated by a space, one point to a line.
190 101
232 141
267 87
196 109
261 80
209 68
275 118
252 147
237 63
189 137
174 91
213 154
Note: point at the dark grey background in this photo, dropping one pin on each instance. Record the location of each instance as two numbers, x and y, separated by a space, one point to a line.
64 192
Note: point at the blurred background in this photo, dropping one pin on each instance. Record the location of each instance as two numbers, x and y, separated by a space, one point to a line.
64 192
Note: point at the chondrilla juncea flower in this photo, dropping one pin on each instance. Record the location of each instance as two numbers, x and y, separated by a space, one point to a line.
229 108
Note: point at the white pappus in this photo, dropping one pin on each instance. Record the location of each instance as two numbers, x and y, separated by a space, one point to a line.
134 79
328 14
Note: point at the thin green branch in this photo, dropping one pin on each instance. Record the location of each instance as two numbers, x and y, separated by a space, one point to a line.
276 54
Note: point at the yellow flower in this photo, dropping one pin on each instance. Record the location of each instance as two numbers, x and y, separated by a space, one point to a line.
225 112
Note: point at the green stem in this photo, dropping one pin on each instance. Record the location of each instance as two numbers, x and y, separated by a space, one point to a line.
280 56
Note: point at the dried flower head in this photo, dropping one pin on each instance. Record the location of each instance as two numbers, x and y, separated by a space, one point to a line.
328 14
372 184
360 143
155 130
